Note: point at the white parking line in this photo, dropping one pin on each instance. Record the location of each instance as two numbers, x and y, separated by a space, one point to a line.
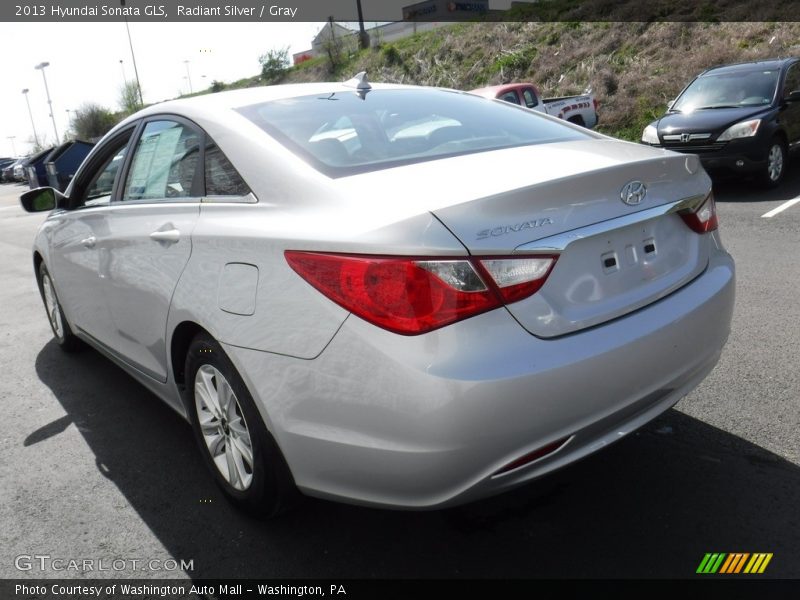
781 208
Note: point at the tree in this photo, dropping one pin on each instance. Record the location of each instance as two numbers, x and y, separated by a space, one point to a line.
92 121
274 65
129 97
40 144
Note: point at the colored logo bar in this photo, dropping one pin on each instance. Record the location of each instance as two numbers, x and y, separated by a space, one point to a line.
734 563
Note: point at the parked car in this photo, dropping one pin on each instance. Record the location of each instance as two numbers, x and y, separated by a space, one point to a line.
4 162
739 119
34 170
581 110
61 164
353 290
15 170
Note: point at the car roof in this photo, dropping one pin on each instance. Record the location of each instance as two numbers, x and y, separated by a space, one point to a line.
233 99
774 63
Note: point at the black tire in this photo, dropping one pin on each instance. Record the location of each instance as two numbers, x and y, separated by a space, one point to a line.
577 120
775 169
270 490
62 332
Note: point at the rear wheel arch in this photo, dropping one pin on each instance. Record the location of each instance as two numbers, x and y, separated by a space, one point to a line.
578 120
182 338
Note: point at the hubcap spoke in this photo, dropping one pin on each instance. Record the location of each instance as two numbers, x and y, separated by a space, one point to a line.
204 385
244 450
234 476
216 444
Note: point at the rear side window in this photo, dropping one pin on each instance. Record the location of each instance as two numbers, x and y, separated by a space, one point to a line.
343 133
221 178
164 162
530 98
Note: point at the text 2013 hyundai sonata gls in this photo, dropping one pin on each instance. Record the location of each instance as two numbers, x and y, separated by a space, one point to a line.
390 295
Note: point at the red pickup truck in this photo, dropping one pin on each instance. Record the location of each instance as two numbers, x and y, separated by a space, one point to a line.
581 110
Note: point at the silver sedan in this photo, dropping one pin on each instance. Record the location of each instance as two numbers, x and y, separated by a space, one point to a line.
388 295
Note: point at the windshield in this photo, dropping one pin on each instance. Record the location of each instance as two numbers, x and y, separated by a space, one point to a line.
343 134
727 90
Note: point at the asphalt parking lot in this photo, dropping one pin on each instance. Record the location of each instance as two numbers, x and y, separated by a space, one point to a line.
96 467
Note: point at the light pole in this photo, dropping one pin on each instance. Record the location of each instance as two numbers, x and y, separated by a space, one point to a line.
28 102
13 146
188 76
41 67
69 123
133 57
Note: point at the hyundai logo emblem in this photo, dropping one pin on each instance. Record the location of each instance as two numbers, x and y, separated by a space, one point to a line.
633 193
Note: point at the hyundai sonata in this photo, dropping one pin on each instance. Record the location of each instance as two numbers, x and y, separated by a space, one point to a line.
383 294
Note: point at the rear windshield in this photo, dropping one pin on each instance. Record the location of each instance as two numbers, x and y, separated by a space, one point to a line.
729 90
343 134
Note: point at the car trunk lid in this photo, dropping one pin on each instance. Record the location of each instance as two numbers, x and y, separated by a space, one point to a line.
613 257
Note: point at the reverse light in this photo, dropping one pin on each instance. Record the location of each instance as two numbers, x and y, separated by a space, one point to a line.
411 296
704 218
745 129
518 278
650 135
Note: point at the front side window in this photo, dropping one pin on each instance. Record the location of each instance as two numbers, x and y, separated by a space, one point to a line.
164 162
101 185
343 133
510 97
792 83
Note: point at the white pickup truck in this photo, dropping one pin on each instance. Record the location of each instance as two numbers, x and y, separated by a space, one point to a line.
581 110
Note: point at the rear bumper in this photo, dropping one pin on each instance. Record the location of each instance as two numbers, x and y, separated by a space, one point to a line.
427 421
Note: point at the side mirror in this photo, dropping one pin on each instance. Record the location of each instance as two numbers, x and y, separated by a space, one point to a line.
669 104
794 96
41 199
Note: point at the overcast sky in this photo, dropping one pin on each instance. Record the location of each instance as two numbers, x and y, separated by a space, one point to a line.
84 65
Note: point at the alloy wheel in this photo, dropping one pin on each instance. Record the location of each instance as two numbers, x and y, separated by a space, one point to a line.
775 162
51 304
223 427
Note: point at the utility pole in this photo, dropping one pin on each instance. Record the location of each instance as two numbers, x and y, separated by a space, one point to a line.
133 57
363 36
28 102
41 67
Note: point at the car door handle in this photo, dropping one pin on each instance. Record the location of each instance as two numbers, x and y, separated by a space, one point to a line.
170 235
89 242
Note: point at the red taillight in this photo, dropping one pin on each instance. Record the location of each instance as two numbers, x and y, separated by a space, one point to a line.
411 296
703 219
